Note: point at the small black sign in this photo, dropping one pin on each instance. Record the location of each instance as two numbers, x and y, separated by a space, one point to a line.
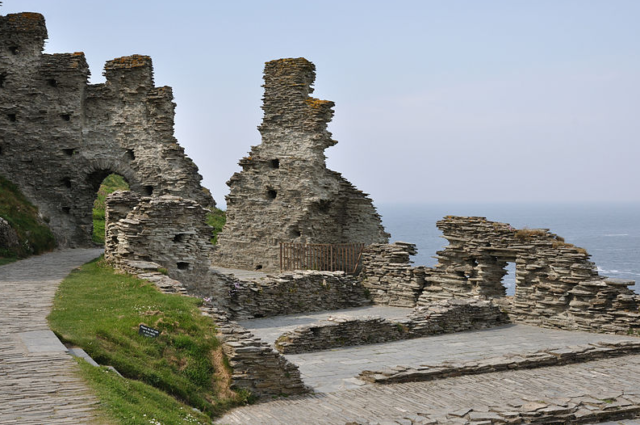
148 332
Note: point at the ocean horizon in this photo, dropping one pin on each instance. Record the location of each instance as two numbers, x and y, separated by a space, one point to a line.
610 232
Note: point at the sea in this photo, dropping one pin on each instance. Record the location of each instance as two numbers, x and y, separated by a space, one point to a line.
609 232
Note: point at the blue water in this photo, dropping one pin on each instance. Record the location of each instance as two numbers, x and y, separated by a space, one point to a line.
609 232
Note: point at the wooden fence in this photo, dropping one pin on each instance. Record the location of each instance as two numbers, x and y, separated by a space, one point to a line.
322 257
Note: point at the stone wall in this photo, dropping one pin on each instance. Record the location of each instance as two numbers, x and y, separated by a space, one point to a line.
295 292
8 236
60 136
285 193
556 283
166 230
388 275
257 367
447 316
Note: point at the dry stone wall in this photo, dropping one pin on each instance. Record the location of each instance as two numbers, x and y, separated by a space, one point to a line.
295 292
388 275
447 316
60 136
556 283
165 230
285 193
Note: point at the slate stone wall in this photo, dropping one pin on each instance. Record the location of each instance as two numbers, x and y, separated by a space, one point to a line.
60 136
298 292
448 316
284 192
167 230
556 283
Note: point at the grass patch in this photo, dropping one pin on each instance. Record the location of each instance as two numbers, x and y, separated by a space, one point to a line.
125 401
7 260
216 219
109 185
34 235
99 310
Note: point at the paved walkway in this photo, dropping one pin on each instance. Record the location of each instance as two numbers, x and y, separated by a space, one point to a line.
609 384
336 369
38 379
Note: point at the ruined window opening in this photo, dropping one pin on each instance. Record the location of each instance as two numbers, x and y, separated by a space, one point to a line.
130 155
69 152
183 266
274 163
295 233
259 267
52 82
179 237
3 79
272 194
14 50
509 279
12 117
65 117
66 181
66 210
148 190
1 150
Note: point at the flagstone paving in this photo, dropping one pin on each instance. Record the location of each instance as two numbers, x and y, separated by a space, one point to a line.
39 383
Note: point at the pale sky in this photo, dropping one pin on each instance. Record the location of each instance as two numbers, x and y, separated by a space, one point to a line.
436 101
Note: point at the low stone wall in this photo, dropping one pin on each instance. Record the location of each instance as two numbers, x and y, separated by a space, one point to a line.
295 292
443 317
532 360
388 275
256 366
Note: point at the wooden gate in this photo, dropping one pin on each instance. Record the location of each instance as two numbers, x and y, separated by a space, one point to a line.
322 257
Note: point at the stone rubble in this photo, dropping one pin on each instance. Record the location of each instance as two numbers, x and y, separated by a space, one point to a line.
8 236
284 192
446 316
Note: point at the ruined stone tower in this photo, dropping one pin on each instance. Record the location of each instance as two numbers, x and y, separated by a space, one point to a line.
60 137
285 192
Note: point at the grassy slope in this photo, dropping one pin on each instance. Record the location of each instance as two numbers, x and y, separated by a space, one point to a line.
100 311
34 235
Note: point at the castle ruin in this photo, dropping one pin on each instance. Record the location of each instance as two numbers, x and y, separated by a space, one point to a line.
61 136
285 193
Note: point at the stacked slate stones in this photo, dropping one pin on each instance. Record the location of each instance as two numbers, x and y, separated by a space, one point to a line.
388 275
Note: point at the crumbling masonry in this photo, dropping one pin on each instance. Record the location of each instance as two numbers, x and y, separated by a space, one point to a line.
285 193
60 137
556 284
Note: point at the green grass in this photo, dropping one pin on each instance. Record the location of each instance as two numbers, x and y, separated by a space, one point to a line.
7 260
34 235
101 311
216 219
110 184
125 401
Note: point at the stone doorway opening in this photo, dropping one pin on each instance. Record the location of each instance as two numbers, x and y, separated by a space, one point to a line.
105 183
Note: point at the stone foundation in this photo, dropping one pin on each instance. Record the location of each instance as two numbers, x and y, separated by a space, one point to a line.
441 317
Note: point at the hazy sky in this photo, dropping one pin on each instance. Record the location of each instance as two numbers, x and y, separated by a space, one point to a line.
436 101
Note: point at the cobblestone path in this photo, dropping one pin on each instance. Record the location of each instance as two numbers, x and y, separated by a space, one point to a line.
38 382
580 389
